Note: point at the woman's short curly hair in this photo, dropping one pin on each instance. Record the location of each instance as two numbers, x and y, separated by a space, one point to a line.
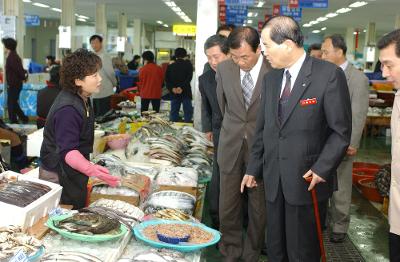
78 65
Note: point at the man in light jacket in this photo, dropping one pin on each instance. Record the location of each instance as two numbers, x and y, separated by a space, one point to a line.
389 46
102 99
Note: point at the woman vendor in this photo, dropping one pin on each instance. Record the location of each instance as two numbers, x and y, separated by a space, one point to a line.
69 131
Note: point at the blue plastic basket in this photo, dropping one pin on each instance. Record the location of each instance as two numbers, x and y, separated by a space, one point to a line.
182 247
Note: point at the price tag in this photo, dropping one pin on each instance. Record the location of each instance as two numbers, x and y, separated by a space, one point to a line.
19 257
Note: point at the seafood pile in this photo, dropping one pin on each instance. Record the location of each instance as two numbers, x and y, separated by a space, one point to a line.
167 147
21 193
12 240
120 206
120 191
177 176
195 137
89 223
173 214
197 235
159 255
155 128
71 256
115 215
169 199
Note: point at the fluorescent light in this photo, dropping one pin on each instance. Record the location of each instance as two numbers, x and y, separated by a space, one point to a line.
82 19
330 15
170 3
165 25
365 30
358 4
343 10
313 22
250 14
176 9
306 25
56 9
354 33
159 22
321 19
323 28
260 4
180 13
41 5
77 15
249 21
316 31
26 1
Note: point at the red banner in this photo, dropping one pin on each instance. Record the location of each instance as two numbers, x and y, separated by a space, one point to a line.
222 14
266 17
276 9
260 24
293 3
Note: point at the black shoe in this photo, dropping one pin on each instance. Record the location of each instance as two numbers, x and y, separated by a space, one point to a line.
337 237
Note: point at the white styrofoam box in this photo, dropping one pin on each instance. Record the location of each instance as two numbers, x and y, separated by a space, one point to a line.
29 215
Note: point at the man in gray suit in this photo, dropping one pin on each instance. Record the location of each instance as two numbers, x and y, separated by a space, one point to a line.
238 91
303 130
334 51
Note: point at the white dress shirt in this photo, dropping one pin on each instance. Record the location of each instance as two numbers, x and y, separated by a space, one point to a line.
294 72
344 65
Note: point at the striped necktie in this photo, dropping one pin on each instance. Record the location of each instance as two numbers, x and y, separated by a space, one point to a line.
247 87
284 98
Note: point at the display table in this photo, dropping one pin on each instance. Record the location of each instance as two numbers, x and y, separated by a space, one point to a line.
375 123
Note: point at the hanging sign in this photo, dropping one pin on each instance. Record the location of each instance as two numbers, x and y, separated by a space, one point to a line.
222 13
295 13
239 2
8 26
236 14
64 33
32 20
313 3
293 3
184 30
276 9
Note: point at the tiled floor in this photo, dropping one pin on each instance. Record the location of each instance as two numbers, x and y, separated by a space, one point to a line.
368 233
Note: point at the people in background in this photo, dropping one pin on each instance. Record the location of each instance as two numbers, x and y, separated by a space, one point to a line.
47 95
50 62
389 46
216 50
119 64
314 50
239 85
15 76
303 131
18 158
334 50
102 99
177 79
69 130
151 79
134 64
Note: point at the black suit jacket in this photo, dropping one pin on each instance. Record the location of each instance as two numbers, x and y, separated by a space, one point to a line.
313 136
211 117
179 74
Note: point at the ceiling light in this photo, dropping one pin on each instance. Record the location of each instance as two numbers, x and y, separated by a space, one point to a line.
355 33
330 15
365 30
159 22
260 4
170 3
343 10
56 9
82 19
26 1
306 25
249 21
323 28
313 22
180 13
358 4
165 25
321 19
250 14
41 5
176 9
316 31
76 14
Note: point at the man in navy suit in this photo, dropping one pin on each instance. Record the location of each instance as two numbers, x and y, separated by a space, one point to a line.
303 130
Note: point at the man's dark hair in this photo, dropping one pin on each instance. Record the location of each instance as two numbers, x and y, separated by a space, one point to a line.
55 75
180 52
51 58
284 28
217 40
148 56
135 57
338 42
93 37
244 34
314 46
78 65
9 43
391 38
225 28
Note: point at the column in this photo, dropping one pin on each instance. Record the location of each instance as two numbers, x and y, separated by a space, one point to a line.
207 23
122 23
101 21
397 22
370 36
68 18
350 43
16 8
137 36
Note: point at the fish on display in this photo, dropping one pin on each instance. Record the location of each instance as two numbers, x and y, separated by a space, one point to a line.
22 193
159 255
89 224
119 216
71 256
12 239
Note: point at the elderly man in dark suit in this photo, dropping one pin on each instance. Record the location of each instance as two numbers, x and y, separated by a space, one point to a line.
216 51
238 90
303 131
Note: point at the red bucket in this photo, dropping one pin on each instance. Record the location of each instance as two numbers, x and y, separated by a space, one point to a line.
363 172
369 191
365 165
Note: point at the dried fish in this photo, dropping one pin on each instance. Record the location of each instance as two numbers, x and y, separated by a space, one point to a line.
12 239
113 214
22 193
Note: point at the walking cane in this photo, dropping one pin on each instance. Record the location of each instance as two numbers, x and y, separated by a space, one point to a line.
317 220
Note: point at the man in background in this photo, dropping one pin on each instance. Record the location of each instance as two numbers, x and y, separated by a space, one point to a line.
102 99
334 50
216 50
239 82
389 46
314 50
